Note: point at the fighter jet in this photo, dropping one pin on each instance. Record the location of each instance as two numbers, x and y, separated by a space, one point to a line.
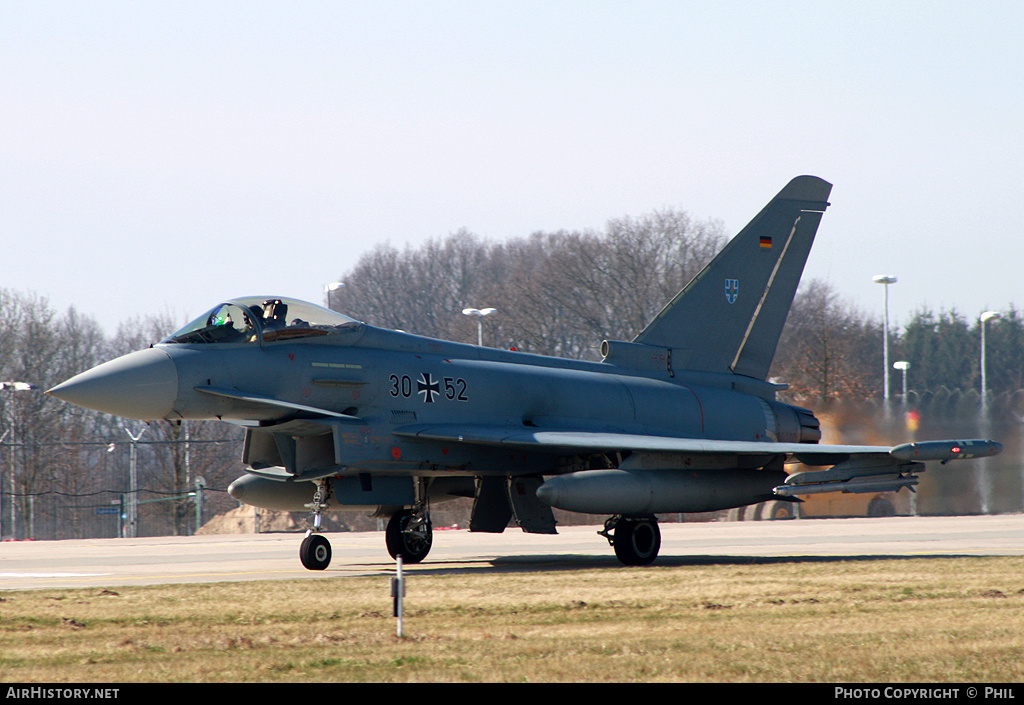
339 414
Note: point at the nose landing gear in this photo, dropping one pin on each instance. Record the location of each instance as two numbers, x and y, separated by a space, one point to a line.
409 533
315 551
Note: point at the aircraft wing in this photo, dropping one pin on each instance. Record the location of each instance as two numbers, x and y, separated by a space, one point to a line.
853 468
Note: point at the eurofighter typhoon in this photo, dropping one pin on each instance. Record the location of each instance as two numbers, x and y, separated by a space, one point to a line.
339 414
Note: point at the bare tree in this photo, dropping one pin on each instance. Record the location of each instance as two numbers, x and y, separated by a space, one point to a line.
828 349
41 349
558 293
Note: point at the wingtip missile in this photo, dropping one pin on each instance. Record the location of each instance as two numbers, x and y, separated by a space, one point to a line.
946 450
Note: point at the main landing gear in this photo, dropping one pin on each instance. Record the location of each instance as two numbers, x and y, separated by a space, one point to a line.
636 540
409 533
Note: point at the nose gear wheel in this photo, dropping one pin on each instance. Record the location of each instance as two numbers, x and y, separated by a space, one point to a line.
315 551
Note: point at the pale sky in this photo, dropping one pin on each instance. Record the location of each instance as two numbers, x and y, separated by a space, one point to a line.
164 156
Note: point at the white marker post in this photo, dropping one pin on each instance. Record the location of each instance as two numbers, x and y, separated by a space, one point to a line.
397 593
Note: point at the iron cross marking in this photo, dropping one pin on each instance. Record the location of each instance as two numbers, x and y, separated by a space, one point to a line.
426 386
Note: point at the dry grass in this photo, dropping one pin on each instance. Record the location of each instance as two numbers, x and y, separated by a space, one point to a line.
882 620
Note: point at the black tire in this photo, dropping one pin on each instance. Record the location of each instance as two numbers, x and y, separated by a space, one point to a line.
315 552
881 507
779 510
637 541
409 536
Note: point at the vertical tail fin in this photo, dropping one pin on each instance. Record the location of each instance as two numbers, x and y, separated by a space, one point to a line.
730 316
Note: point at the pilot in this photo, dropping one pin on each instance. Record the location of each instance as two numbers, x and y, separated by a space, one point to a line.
275 314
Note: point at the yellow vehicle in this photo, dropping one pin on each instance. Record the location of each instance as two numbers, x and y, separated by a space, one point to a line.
877 504
837 504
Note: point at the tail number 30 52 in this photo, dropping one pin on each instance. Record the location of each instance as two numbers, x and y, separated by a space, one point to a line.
428 388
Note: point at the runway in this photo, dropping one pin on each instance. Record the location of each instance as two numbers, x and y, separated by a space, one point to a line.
26 565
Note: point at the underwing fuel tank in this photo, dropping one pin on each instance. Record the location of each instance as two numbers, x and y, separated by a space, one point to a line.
638 492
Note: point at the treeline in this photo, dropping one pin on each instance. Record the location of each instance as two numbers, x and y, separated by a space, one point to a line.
556 293
65 470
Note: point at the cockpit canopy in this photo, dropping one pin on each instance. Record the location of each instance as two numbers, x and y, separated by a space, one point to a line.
261 319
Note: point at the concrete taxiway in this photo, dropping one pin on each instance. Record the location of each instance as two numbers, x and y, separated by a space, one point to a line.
198 559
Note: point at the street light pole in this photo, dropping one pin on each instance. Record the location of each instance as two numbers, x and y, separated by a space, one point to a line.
13 528
133 484
479 313
981 469
985 318
903 366
885 280
910 423
333 286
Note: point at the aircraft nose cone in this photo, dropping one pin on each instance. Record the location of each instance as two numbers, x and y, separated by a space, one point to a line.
141 385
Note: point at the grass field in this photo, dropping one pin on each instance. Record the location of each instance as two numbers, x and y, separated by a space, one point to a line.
894 620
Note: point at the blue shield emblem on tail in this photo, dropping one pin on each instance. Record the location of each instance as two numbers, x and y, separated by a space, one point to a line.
732 290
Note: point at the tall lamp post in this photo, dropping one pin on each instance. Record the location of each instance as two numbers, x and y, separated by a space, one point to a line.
982 468
333 286
903 366
885 280
985 318
911 424
132 528
479 313
12 527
